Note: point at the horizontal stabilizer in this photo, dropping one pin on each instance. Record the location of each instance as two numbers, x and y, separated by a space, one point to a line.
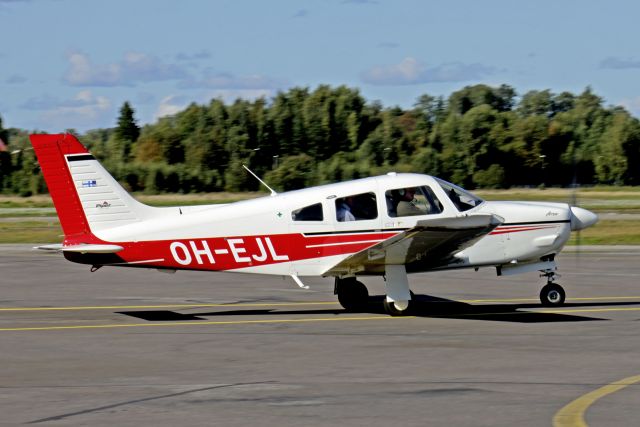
85 249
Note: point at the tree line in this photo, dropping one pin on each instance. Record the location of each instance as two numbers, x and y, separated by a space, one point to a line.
478 137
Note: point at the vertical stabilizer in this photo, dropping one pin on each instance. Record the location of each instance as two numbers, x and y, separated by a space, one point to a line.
51 151
87 198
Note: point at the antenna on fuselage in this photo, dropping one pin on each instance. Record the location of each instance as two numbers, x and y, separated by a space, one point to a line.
273 192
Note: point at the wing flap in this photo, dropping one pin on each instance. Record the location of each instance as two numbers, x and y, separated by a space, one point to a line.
432 243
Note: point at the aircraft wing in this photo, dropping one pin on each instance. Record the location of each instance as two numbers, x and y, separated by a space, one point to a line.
431 244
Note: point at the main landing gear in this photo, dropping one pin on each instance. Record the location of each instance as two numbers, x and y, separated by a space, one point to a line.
353 295
552 294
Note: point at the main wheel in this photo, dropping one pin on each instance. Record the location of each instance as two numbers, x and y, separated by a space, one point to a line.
552 295
352 294
397 309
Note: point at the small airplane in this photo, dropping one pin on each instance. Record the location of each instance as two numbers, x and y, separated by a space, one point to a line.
388 226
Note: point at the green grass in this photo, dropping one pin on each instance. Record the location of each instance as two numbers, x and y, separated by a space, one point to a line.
44 201
605 232
610 232
599 199
10 213
39 201
30 232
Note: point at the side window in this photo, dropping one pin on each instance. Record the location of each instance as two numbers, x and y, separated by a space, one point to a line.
411 201
357 207
308 213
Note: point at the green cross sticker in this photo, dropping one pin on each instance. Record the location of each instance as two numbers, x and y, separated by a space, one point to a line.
279 214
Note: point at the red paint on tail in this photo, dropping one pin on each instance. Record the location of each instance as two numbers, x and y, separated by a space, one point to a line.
50 150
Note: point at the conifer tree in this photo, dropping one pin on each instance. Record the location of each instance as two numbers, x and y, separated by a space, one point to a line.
125 135
127 128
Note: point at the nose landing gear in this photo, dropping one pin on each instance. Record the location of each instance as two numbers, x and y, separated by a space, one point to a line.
551 294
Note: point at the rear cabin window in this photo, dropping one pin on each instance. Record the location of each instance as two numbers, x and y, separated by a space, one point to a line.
410 201
308 213
357 207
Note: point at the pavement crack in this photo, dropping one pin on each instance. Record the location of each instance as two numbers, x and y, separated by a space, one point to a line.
146 399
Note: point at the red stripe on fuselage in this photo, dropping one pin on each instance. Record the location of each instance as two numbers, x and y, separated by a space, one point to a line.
517 229
234 252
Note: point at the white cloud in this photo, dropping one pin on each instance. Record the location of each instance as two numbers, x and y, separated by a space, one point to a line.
212 80
170 105
83 111
410 71
134 68
632 104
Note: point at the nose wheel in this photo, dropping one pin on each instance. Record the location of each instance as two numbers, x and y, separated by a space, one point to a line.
552 295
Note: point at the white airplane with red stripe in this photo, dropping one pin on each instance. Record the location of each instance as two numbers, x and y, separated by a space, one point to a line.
388 226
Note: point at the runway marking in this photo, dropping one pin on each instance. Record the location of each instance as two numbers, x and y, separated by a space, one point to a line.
223 322
119 307
308 320
538 300
572 415
284 304
588 310
546 311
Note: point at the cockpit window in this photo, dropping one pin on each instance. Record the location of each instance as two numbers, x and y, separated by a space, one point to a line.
308 213
357 207
461 198
410 201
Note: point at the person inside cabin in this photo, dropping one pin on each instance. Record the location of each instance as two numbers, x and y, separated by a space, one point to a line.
343 211
407 204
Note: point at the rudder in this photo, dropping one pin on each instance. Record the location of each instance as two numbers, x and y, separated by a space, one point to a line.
51 151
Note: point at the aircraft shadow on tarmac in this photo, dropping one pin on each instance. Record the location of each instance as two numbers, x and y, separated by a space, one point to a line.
423 306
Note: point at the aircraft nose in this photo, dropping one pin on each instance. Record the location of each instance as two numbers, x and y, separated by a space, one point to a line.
582 218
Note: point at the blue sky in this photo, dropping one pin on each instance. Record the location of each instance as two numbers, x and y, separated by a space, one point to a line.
72 63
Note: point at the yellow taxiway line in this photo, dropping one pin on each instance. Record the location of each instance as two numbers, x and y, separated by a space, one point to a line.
538 300
223 322
119 307
282 304
277 321
572 415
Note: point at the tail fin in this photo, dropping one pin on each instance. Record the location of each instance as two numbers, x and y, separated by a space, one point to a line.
87 198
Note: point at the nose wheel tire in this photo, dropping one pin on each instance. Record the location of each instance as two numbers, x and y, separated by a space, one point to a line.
552 295
352 294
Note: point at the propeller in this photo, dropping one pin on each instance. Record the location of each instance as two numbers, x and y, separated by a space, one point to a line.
580 218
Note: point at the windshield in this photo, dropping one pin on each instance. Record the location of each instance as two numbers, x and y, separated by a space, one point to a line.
461 198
